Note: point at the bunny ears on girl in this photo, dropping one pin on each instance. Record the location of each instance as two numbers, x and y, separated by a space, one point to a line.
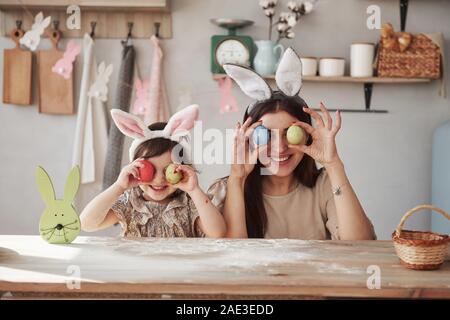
288 78
177 128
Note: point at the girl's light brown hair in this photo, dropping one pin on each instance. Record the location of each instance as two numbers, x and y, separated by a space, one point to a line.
156 146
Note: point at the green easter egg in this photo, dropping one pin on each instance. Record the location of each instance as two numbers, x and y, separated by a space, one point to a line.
172 176
295 135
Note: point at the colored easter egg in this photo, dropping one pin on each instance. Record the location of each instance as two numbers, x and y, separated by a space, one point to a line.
147 172
295 135
261 135
172 176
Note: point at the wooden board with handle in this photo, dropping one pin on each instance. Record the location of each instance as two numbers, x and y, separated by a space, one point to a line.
55 92
17 69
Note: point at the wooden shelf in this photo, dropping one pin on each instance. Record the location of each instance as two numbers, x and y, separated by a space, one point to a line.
368 83
111 16
162 5
348 79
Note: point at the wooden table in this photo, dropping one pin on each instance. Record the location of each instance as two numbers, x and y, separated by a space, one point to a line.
208 268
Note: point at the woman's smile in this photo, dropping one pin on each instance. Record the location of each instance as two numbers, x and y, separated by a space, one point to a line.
280 160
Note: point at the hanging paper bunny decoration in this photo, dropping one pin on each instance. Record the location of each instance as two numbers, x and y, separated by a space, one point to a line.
177 128
227 100
59 222
99 89
32 37
288 78
64 66
142 103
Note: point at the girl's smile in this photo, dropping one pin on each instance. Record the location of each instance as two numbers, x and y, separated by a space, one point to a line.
159 188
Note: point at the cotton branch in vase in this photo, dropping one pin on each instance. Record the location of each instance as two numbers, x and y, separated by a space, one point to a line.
268 7
286 20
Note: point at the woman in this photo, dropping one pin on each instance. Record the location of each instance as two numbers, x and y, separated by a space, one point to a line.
275 190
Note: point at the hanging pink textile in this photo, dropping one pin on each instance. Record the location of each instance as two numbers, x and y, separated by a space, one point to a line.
158 106
227 100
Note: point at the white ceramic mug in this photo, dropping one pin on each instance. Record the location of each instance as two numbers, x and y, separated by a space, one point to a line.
361 60
309 66
331 67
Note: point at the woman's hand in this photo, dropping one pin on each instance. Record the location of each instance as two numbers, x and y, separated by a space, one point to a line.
323 146
189 182
129 175
244 159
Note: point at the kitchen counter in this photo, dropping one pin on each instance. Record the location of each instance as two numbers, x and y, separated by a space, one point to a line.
104 267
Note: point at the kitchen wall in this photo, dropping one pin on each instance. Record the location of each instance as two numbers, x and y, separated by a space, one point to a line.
387 156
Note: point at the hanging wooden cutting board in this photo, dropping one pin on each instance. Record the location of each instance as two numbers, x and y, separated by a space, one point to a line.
17 67
55 92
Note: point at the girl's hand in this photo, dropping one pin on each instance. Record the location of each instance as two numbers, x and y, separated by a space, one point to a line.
129 176
244 159
323 147
190 181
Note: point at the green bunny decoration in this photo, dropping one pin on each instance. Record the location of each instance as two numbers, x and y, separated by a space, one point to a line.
59 222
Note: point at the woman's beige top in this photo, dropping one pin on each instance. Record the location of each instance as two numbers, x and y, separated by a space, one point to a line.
141 218
304 213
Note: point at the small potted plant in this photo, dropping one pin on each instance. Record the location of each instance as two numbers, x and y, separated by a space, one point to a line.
269 51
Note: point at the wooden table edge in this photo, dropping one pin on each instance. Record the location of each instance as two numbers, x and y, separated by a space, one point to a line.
199 290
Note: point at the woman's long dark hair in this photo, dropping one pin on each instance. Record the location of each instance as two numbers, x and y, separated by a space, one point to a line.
306 172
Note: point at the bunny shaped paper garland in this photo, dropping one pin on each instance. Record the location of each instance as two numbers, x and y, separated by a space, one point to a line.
59 222
141 103
288 78
99 89
227 100
64 66
32 37
177 128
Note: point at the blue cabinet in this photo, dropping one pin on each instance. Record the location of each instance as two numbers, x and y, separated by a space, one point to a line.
440 189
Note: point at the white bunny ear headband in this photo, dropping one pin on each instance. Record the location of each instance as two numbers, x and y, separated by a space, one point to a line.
288 78
177 128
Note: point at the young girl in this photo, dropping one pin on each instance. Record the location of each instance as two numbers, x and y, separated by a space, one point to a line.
291 198
156 208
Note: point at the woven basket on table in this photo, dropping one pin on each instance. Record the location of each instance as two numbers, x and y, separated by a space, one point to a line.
417 249
422 59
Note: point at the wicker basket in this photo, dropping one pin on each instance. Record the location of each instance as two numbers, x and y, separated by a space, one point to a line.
417 249
422 59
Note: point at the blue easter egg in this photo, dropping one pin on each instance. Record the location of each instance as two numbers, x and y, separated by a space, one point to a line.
261 135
